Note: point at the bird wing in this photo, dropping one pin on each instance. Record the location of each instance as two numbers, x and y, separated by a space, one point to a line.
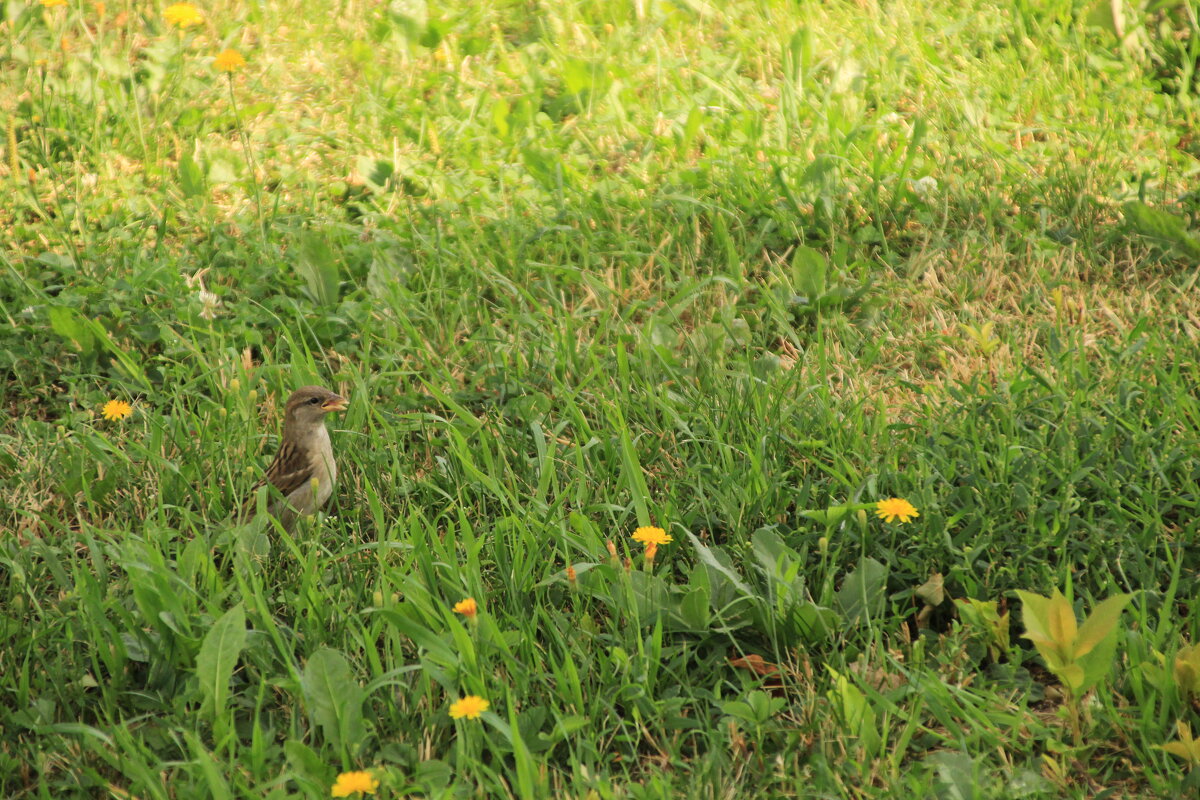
290 470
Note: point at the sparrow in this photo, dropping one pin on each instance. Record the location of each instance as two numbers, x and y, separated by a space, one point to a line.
303 470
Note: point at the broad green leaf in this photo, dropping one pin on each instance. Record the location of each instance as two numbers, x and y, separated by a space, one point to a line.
808 272
815 623
855 710
1109 15
799 56
410 16
706 556
378 173
218 656
318 266
1187 669
333 697
1183 750
649 593
500 110
984 615
578 75
545 167
1097 663
306 762
828 516
528 781
1100 623
70 324
957 772
1035 614
221 171
862 595
1187 748
1073 676
771 552
695 610
1061 621
1162 227
191 179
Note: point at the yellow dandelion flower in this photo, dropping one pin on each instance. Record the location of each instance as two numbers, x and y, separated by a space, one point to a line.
468 608
895 508
229 61
648 535
183 15
116 409
349 783
470 707
53 3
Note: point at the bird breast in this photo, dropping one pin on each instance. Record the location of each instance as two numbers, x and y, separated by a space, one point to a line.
324 472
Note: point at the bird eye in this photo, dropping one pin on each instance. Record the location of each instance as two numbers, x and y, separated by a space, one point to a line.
315 400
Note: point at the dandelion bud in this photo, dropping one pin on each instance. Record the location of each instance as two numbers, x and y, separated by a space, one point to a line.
222 413
468 608
628 563
378 598
571 574
235 385
823 546
612 548
253 395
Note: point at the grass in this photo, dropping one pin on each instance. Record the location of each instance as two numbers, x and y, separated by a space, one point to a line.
736 270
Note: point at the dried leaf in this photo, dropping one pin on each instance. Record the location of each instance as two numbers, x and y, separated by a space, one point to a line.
933 591
755 663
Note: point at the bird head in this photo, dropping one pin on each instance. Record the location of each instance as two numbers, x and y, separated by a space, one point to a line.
308 406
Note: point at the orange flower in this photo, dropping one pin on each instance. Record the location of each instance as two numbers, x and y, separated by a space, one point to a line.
468 608
470 707
895 508
349 783
229 61
183 15
648 535
116 409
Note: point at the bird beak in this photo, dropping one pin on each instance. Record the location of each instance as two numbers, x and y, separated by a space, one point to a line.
334 403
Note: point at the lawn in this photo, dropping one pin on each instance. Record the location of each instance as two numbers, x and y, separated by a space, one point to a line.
748 273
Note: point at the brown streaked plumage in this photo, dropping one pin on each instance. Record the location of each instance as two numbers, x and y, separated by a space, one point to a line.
303 470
